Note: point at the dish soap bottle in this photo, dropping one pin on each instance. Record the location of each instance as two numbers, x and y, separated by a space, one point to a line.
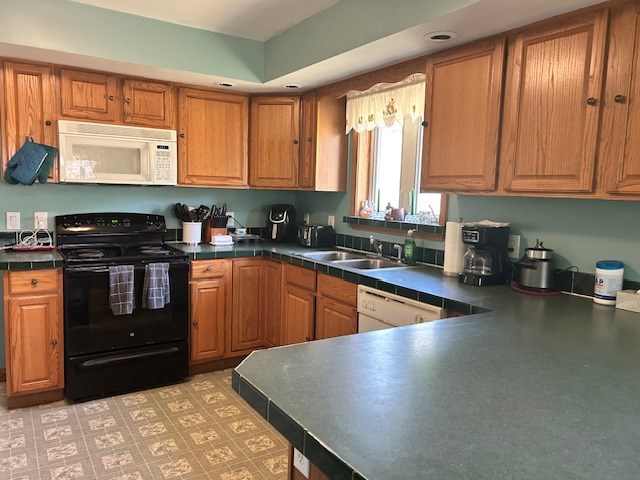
410 249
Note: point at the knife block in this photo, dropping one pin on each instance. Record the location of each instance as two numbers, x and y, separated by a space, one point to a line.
208 232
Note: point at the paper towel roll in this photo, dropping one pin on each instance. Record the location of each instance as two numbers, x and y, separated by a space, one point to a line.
453 249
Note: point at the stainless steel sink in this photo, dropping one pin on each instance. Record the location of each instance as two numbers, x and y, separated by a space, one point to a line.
368 263
331 256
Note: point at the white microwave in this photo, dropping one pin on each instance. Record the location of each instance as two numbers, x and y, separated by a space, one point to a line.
118 154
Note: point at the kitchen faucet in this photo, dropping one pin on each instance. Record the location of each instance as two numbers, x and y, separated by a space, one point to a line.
377 245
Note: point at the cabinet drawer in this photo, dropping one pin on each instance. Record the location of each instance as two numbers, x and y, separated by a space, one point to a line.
300 276
341 290
208 268
32 281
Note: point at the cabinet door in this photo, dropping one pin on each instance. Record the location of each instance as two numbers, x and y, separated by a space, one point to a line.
247 320
89 95
620 142
334 319
273 304
552 106
307 169
209 310
462 115
275 151
29 108
35 348
150 104
298 313
213 138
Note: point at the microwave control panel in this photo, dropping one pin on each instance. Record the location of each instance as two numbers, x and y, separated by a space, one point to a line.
163 168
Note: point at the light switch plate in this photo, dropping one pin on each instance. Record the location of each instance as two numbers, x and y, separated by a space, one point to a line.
40 220
231 221
331 220
513 247
13 221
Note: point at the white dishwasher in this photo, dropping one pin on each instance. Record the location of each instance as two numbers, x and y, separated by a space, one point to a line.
378 310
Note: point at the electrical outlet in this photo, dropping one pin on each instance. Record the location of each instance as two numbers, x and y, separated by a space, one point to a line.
306 218
231 221
40 220
331 220
301 463
513 247
13 221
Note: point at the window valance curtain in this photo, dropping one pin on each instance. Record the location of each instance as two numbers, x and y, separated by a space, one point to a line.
386 103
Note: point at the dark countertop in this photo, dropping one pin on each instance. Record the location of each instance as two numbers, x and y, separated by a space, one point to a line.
536 388
36 259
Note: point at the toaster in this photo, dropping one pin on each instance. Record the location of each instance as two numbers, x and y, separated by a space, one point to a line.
316 235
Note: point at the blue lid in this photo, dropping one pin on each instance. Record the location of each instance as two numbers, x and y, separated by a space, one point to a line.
609 264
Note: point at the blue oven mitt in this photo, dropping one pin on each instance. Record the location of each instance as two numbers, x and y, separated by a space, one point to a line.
43 173
27 161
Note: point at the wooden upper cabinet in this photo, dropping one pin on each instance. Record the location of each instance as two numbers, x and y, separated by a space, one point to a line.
552 106
619 152
212 138
462 118
29 107
149 104
275 147
323 144
89 95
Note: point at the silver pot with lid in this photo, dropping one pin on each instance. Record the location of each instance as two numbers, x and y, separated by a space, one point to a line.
536 268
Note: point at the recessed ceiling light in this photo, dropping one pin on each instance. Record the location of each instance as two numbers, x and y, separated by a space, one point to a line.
292 85
226 84
440 36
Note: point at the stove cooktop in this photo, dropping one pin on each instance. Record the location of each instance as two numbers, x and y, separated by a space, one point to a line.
121 253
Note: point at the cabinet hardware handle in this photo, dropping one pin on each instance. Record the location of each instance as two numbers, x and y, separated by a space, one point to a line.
308 339
619 99
195 324
309 139
295 142
34 282
591 101
209 268
48 123
54 342
182 135
425 123
111 97
128 100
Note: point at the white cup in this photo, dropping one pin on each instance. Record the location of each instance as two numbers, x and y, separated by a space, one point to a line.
191 233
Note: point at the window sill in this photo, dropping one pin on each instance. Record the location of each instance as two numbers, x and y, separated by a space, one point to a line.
392 227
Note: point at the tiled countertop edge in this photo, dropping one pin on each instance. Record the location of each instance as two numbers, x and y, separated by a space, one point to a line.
296 434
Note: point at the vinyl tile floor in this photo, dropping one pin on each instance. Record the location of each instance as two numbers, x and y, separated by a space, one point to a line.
199 429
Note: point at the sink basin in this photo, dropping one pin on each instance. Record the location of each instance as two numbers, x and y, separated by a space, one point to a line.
368 263
331 256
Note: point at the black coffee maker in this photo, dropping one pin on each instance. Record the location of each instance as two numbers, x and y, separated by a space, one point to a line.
485 261
281 223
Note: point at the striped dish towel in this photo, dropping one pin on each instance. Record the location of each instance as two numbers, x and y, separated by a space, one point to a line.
155 289
121 298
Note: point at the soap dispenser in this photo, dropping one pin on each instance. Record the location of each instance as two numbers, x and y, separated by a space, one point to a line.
410 249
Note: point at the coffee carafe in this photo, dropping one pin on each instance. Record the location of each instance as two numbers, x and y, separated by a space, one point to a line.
484 262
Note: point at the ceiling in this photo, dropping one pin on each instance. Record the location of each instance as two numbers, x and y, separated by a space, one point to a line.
343 45
254 19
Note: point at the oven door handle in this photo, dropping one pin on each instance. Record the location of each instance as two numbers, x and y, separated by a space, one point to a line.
115 359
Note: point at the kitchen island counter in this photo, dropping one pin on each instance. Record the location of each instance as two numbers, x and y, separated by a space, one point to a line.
535 388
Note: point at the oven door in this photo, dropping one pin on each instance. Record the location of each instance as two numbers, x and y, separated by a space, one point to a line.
91 327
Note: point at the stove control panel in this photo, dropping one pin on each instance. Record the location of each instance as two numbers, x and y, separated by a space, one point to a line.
109 223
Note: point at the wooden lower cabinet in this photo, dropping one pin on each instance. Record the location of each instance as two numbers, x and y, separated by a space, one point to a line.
298 304
273 304
210 308
336 310
248 312
33 336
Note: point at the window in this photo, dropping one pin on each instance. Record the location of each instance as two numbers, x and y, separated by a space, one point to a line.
395 178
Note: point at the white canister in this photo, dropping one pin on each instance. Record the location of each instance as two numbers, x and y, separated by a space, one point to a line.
609 279
191 233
